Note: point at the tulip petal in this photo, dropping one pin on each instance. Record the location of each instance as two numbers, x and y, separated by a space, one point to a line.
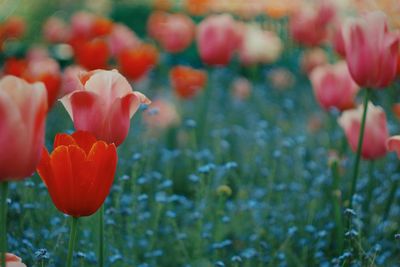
393 144
84 140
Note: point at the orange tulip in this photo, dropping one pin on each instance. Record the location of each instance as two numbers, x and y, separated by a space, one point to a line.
137 61
187 81
92 54
78 173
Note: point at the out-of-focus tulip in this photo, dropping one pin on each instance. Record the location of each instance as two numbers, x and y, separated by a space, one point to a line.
93 54
376 131
162 4
396 110
279 9
218 37
241 88
13 261
155 22
121 38
55 30
393 144
23 110
103 105
161 114
78 173
333 86
37 68
70 80
308 26
137 61
337 40
174 32
371 50
280 78
259 46
313 58
82 24
197 7
13 27
187 81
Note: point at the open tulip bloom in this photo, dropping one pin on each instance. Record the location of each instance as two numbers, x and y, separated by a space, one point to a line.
78 174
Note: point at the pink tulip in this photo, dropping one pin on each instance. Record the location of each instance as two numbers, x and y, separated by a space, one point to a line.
82 23
241 89
23 108
161 114
312 58
259 46
337 40
371 50
55 30
309 25
218 37
393 144
13 261
70 80
333 86
376 131
103 105
121 38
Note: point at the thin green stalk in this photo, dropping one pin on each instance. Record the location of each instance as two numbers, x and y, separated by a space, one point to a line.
72 239
359 147
337 209
101 236
3 222
204 105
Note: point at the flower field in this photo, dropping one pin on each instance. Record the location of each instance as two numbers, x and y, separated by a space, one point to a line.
199 133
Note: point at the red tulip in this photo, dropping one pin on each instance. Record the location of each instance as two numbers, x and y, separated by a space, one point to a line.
187 81
218 37
14 66
92 54
376 131
23 110
308 26
333 86
137 61
371 50
103 105
174 32
13 27
78 173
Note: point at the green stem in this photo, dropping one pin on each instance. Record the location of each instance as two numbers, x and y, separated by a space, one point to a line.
337 209
202 121
72 239
101 236
359 147
3 222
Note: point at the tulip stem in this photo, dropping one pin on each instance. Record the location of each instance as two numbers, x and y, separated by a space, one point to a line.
72 239
391 198
359 147
101 236
3 222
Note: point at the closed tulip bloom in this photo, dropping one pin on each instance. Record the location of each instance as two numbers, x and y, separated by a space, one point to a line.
187 81
136 62
376 131
312 58
333 86
121 38
393 144
23 108
309 24
13 261
92 54
176 33
218 37
103 105
338 41
371 50
259 46
78 173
